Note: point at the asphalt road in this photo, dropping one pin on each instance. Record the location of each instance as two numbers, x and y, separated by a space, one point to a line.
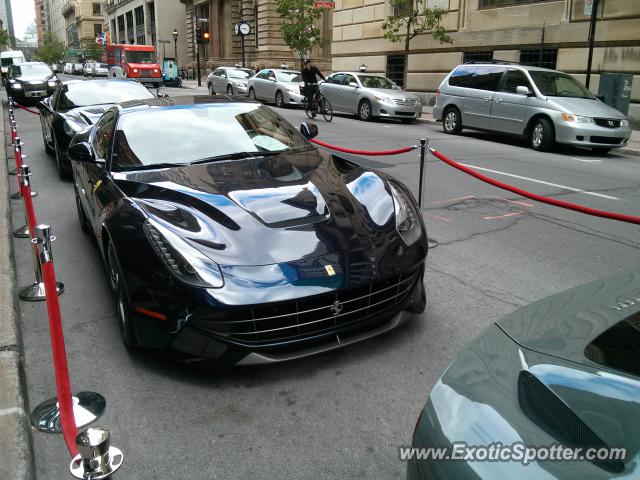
341 414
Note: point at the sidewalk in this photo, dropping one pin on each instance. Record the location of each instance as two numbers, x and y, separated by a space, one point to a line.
16 461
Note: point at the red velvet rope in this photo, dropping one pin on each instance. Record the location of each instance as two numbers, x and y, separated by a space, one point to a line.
25 108
363 152
69 429
551 201
18 156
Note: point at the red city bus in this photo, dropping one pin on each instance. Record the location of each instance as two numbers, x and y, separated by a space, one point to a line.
138 62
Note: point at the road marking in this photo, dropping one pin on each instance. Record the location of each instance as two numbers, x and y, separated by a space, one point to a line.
564 187
498 217
586 160
517 202
468 197
444 219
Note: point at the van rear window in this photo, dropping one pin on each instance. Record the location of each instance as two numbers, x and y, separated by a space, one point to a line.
461 76
5 62
618 347
478 77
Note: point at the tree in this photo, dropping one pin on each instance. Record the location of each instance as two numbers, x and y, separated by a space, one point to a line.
412 18
51 51
91 49
298 28
5 39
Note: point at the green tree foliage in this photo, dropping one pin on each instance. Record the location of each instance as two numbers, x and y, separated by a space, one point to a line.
299 25
412 18
5 39
51 51
92 51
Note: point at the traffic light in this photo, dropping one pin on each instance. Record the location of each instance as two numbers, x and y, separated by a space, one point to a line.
205 37
198 35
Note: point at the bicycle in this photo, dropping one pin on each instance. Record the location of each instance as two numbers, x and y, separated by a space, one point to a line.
319 106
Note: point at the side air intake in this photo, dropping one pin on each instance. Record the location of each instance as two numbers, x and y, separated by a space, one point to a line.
551 414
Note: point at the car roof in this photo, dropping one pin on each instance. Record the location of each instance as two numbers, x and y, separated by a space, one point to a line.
181 101
362 73
509 65
30 63
100 81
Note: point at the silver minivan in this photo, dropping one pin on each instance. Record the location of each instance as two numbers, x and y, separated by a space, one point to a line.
540 105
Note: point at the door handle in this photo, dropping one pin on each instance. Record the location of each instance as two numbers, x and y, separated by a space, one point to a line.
497 100
487 98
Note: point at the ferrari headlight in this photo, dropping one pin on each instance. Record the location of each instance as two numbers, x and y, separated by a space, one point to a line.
184 261
407 222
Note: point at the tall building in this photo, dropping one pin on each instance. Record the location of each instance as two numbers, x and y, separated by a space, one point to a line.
40 20
264 45
552 33
145 22
6 19
84 19
54 21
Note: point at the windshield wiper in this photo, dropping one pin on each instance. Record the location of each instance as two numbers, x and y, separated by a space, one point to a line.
154 166
238 156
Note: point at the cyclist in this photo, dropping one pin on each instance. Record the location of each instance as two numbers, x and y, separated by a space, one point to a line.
310 74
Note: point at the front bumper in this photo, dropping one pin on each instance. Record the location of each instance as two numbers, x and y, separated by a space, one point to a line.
146 79
293 98
591 135
387 110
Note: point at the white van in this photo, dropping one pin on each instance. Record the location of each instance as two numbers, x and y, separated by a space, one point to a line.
8 58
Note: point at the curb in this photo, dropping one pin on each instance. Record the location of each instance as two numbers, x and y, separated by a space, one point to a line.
16 453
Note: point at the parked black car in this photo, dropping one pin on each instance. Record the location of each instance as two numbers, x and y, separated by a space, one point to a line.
30 82
230 239
77 104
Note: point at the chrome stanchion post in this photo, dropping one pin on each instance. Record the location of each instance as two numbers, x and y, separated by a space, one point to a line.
87 406
36 292
23 232
97 459
18 151
423 154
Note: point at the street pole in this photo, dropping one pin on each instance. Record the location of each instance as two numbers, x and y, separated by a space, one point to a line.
540 59
241 35
198 64
592 39
175 48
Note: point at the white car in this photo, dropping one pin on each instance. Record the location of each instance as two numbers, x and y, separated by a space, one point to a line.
273 85
68 68
230 80
87 70
100 70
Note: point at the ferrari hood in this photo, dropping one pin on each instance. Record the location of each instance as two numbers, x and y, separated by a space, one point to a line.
86 116
585 324
266 210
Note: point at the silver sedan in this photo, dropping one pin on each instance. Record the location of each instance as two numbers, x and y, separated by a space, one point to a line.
369 95
230 80
273 85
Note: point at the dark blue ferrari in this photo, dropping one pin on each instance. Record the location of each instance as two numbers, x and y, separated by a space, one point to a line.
230 239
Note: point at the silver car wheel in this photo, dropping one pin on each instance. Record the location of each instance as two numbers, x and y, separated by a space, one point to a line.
450 121
365 110
537 135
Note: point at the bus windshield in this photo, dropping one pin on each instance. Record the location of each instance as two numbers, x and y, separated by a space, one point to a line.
140 57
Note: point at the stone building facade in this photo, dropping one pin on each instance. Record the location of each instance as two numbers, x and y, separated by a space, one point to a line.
83 20
500 29
263 46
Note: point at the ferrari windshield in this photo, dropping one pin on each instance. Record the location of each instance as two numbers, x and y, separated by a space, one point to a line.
375 81
82 94
140 57
556 84
179 135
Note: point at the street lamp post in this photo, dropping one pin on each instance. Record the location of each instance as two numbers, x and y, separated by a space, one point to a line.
175 44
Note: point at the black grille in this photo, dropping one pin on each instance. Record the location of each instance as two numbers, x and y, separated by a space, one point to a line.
145 72
607 122
30 87
292 319
607 140
405 114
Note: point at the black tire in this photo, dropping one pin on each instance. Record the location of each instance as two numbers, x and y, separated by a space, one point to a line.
452 121
326 109
252 94
63 171
210 88
82 216
542 136
120 298
47 148
229 90
365 113
279 99
601 150
156 85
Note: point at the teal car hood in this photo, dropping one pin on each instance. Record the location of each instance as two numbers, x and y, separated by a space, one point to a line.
565 324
